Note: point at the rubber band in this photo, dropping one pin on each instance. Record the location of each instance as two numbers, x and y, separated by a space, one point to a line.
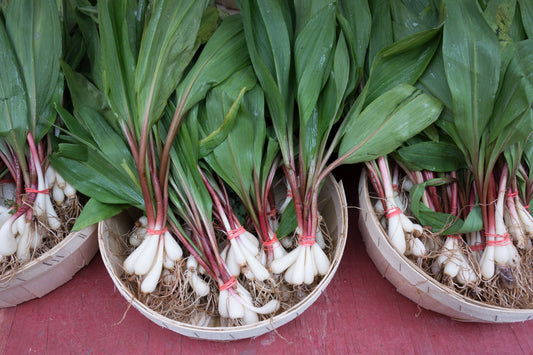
271 244
477 247
229 284
156 231
289 193
526 207
307 240
499 240
454 236
391 212
35 191
234 233
395 187
512 194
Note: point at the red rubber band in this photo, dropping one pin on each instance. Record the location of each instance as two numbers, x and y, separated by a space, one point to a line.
454 236
289 193
391 212
229 284
526 207
307 240
35 191
269 244
157 231
234 233
477 247
500 240
395 187
512 194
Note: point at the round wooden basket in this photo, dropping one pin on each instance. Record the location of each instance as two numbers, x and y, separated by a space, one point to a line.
414 284
49 271
333 208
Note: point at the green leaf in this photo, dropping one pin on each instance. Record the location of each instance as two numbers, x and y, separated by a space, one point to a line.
118 61
433 156
472 61
95 177
381 34
288 222
225 49
167 47
84 14
442 223
94 212
526 10
312 52
34 30
500 15
215 138
434 81
85 93
233 159
356 21
402 62
387 122
268 32
13 109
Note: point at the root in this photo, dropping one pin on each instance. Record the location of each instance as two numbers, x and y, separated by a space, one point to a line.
175 299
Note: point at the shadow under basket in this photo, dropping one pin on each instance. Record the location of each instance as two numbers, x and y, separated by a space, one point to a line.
415 284
332 206
50 270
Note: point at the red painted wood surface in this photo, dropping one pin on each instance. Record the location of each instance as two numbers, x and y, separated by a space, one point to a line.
360 312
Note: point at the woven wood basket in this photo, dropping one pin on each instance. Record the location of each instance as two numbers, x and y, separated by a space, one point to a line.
333 208
414 284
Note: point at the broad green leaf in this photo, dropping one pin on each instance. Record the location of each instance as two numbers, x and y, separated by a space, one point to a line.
406 21
387 122
500 15
14 105
472 60
269 35
526 10
110 143
402 62
76 128
312 56
355 16
219 136
434 81
224 54
304 10
381 34
118 60
208 25
84 93
167 46
288 222
443 223
84 14
94 212
233 159
512 120
35 34
96 177
433 156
